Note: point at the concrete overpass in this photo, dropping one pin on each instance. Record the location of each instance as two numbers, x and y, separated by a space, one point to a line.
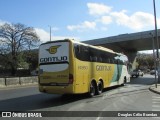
127 43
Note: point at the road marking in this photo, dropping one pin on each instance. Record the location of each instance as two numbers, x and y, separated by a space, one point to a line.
99 116
155 109
156 106
156 97
155 103
156 117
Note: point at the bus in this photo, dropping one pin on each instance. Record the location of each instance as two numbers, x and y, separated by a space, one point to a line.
71 67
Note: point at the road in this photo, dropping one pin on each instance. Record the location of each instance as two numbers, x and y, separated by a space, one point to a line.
134 96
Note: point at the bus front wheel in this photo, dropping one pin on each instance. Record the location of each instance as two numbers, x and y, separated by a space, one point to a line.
99 87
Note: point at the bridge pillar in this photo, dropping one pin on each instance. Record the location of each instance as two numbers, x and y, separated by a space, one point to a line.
132 59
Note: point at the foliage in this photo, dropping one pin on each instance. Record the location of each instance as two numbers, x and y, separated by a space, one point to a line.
31 57
145 60
15 38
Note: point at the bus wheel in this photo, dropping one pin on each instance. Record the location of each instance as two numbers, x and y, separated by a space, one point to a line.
124 81
92 89
99 87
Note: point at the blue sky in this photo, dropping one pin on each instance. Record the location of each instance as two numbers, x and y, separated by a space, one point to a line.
81 19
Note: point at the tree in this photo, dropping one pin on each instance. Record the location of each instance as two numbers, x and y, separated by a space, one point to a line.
15 38
31 57
145 60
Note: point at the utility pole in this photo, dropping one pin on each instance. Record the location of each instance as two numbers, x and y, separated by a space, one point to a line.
50 32
154 58
156 37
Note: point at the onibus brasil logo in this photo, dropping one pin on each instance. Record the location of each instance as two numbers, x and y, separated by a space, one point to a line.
53 49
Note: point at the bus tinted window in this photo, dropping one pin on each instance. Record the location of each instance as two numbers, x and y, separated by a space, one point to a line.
86 53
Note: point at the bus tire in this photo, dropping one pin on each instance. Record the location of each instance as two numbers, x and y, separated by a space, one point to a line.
92 90
99 87
124 81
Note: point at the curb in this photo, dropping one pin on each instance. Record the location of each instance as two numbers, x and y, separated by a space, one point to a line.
155 91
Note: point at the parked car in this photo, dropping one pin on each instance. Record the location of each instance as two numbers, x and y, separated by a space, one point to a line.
152 72
136 73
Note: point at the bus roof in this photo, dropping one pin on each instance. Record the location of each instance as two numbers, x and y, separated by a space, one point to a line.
78 42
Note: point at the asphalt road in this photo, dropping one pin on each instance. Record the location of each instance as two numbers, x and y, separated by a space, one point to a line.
134 96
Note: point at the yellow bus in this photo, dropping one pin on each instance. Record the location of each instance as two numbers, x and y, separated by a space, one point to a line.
71 67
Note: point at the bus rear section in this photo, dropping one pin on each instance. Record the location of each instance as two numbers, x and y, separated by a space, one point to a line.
54 70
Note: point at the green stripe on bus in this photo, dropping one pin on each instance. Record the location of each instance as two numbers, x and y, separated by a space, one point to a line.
116 70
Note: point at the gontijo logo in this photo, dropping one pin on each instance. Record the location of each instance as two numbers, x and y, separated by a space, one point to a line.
53 49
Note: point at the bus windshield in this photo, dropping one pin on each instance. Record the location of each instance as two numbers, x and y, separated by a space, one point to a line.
54 57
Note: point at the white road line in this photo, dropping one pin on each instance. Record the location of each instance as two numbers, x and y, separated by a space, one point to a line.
156 102
156 117
98 118
156 97
156 106
155 109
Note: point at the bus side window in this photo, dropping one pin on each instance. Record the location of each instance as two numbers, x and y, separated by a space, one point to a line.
91 58
78 48
116 61
108 60
94 59
100 59
111 61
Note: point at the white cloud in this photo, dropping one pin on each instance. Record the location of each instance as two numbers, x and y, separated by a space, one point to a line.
82 27
136 21
98 9
3 22
106 20
45 36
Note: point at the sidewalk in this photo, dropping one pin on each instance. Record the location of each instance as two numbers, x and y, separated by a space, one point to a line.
154 89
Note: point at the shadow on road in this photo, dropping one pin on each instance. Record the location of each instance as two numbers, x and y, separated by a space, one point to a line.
37 101
42 101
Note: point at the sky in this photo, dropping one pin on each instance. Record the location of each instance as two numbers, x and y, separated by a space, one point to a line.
81 19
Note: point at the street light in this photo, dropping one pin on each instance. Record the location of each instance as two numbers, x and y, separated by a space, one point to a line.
156 36
50 32
154 58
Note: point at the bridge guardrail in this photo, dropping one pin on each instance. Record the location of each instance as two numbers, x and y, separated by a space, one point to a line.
18 81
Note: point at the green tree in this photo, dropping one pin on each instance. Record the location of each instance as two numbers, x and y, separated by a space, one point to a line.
145 60
31 57
15 38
